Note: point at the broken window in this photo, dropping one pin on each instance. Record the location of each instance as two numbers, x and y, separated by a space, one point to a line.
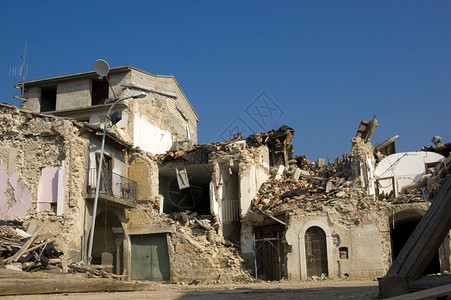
99 92
185 187
48 99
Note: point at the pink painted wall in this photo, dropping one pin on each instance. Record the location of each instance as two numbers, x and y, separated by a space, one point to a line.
22 196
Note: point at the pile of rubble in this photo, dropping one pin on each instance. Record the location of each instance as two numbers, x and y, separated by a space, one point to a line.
202 255
306 185
187 216
31 251
27 251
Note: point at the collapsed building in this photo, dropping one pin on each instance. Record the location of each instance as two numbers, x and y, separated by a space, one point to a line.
348 218
173 210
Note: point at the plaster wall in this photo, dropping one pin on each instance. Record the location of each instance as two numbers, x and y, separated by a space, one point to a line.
230 204
363 243
174 98
95 147
252 176
151 138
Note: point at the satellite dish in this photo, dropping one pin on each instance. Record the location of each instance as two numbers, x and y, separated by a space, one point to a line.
101 67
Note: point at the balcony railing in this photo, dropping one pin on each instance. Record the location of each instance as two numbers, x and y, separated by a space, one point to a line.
113 185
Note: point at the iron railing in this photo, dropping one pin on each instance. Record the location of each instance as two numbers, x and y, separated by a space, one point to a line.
114 185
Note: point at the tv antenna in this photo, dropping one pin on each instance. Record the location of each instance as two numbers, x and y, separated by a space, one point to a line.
20 71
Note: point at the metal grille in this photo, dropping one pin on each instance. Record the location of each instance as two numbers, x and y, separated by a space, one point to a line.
230 210
113 185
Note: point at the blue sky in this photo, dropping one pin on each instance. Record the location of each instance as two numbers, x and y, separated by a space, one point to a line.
322 66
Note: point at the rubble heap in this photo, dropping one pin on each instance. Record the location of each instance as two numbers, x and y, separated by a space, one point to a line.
199 254
27 251
205 254
318 187
306 185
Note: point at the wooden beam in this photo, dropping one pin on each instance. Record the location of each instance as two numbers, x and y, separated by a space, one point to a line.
422 245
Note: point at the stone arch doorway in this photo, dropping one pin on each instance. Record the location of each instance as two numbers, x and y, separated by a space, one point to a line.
316 252
107 247
402 224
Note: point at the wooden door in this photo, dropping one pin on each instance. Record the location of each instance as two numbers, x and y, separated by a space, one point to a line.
316 252
149 257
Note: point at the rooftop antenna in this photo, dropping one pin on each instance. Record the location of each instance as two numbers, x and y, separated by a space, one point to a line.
22 72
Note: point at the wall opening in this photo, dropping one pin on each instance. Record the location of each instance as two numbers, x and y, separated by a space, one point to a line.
404 225
150 257
99 92
196 197
107 248
48 99
267 256
316 252
343 252
231 207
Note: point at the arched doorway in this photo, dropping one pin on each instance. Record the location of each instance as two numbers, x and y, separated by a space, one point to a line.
402 226
108 239
316 252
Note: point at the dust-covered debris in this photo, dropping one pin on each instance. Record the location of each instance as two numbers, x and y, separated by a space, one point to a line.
27 251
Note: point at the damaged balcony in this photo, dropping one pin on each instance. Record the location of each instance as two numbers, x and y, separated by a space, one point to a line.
115 190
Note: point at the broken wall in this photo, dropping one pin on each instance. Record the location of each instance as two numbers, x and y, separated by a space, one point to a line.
193 252
47 152
172 98
160 120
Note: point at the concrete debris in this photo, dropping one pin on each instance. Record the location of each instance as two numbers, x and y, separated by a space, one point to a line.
307 187
204 255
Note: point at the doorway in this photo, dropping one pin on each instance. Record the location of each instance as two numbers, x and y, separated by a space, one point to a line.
316 252
268 251
108 241
149 257
401 230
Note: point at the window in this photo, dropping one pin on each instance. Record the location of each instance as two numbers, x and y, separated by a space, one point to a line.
99 92
343 252
48 99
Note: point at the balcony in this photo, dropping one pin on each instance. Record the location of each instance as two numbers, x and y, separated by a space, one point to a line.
115 190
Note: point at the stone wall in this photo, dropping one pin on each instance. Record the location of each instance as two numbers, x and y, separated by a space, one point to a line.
31 144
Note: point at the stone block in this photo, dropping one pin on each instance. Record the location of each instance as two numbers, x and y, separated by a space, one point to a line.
297 174
279 172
